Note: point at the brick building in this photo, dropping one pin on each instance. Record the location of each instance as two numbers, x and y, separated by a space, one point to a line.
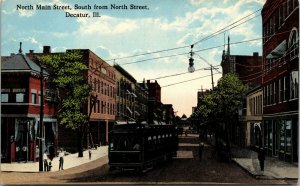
101 102
280 20
247 68
155 106
20 109
126 97
141 108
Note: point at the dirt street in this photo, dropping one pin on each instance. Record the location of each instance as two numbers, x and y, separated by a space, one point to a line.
186 168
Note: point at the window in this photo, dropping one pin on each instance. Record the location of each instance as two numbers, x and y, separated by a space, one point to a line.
282 135
274 92
271 94
286 95
33 98
20 97
4 97
283 12
99 86
98 106
294 82
293 44
268 95
288 136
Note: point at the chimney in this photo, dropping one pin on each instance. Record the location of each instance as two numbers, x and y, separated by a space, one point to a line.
255 54
31 51
46 49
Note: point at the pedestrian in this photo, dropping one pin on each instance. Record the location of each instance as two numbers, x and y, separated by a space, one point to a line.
261 158
45 159
51 152
90 154
201 147
61 159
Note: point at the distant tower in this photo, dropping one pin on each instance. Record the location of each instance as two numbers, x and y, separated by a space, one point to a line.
20 50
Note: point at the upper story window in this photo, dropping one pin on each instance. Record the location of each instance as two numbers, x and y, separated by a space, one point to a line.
294 43
294 82
4 97
19 95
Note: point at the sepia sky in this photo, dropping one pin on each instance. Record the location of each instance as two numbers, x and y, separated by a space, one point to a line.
162 26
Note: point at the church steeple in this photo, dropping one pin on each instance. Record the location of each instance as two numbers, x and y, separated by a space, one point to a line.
228 46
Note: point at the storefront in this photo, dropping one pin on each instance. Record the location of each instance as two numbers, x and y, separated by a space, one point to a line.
281 137
19 138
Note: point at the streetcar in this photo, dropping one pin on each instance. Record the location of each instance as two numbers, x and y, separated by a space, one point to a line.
141 147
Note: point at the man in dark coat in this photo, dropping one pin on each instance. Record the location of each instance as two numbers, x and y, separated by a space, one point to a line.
261 158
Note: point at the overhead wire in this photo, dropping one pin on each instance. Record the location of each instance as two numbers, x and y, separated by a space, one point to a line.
203 39
172 75
188 80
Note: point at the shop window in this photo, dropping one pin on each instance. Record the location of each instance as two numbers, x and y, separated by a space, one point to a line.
288 135
282 135
270 132
266 133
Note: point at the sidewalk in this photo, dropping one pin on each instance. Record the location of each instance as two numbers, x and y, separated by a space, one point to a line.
274 169
71 160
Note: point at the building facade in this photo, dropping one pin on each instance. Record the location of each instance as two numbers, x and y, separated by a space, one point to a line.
247 68
155 106
168 114
125 95
100 107
280 20
254 111
21 108
102 101
141 106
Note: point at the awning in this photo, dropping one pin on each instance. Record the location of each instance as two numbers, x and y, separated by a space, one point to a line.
278 51
133 94
257 125
129 110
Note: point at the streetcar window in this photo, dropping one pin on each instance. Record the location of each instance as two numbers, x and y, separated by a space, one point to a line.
111 145
123 144
136 147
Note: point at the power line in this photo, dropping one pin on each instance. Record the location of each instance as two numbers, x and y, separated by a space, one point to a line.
205 38
210 48
188 80
177 74
219 31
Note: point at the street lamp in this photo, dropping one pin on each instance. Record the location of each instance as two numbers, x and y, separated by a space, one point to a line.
191 67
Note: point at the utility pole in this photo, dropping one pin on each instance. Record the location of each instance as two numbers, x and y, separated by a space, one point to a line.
41 120
212 75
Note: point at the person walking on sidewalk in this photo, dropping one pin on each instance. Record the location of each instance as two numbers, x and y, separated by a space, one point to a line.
201 147
261 158
61 159
45 159
90 153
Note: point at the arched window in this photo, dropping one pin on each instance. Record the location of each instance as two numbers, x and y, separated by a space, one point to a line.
293 43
